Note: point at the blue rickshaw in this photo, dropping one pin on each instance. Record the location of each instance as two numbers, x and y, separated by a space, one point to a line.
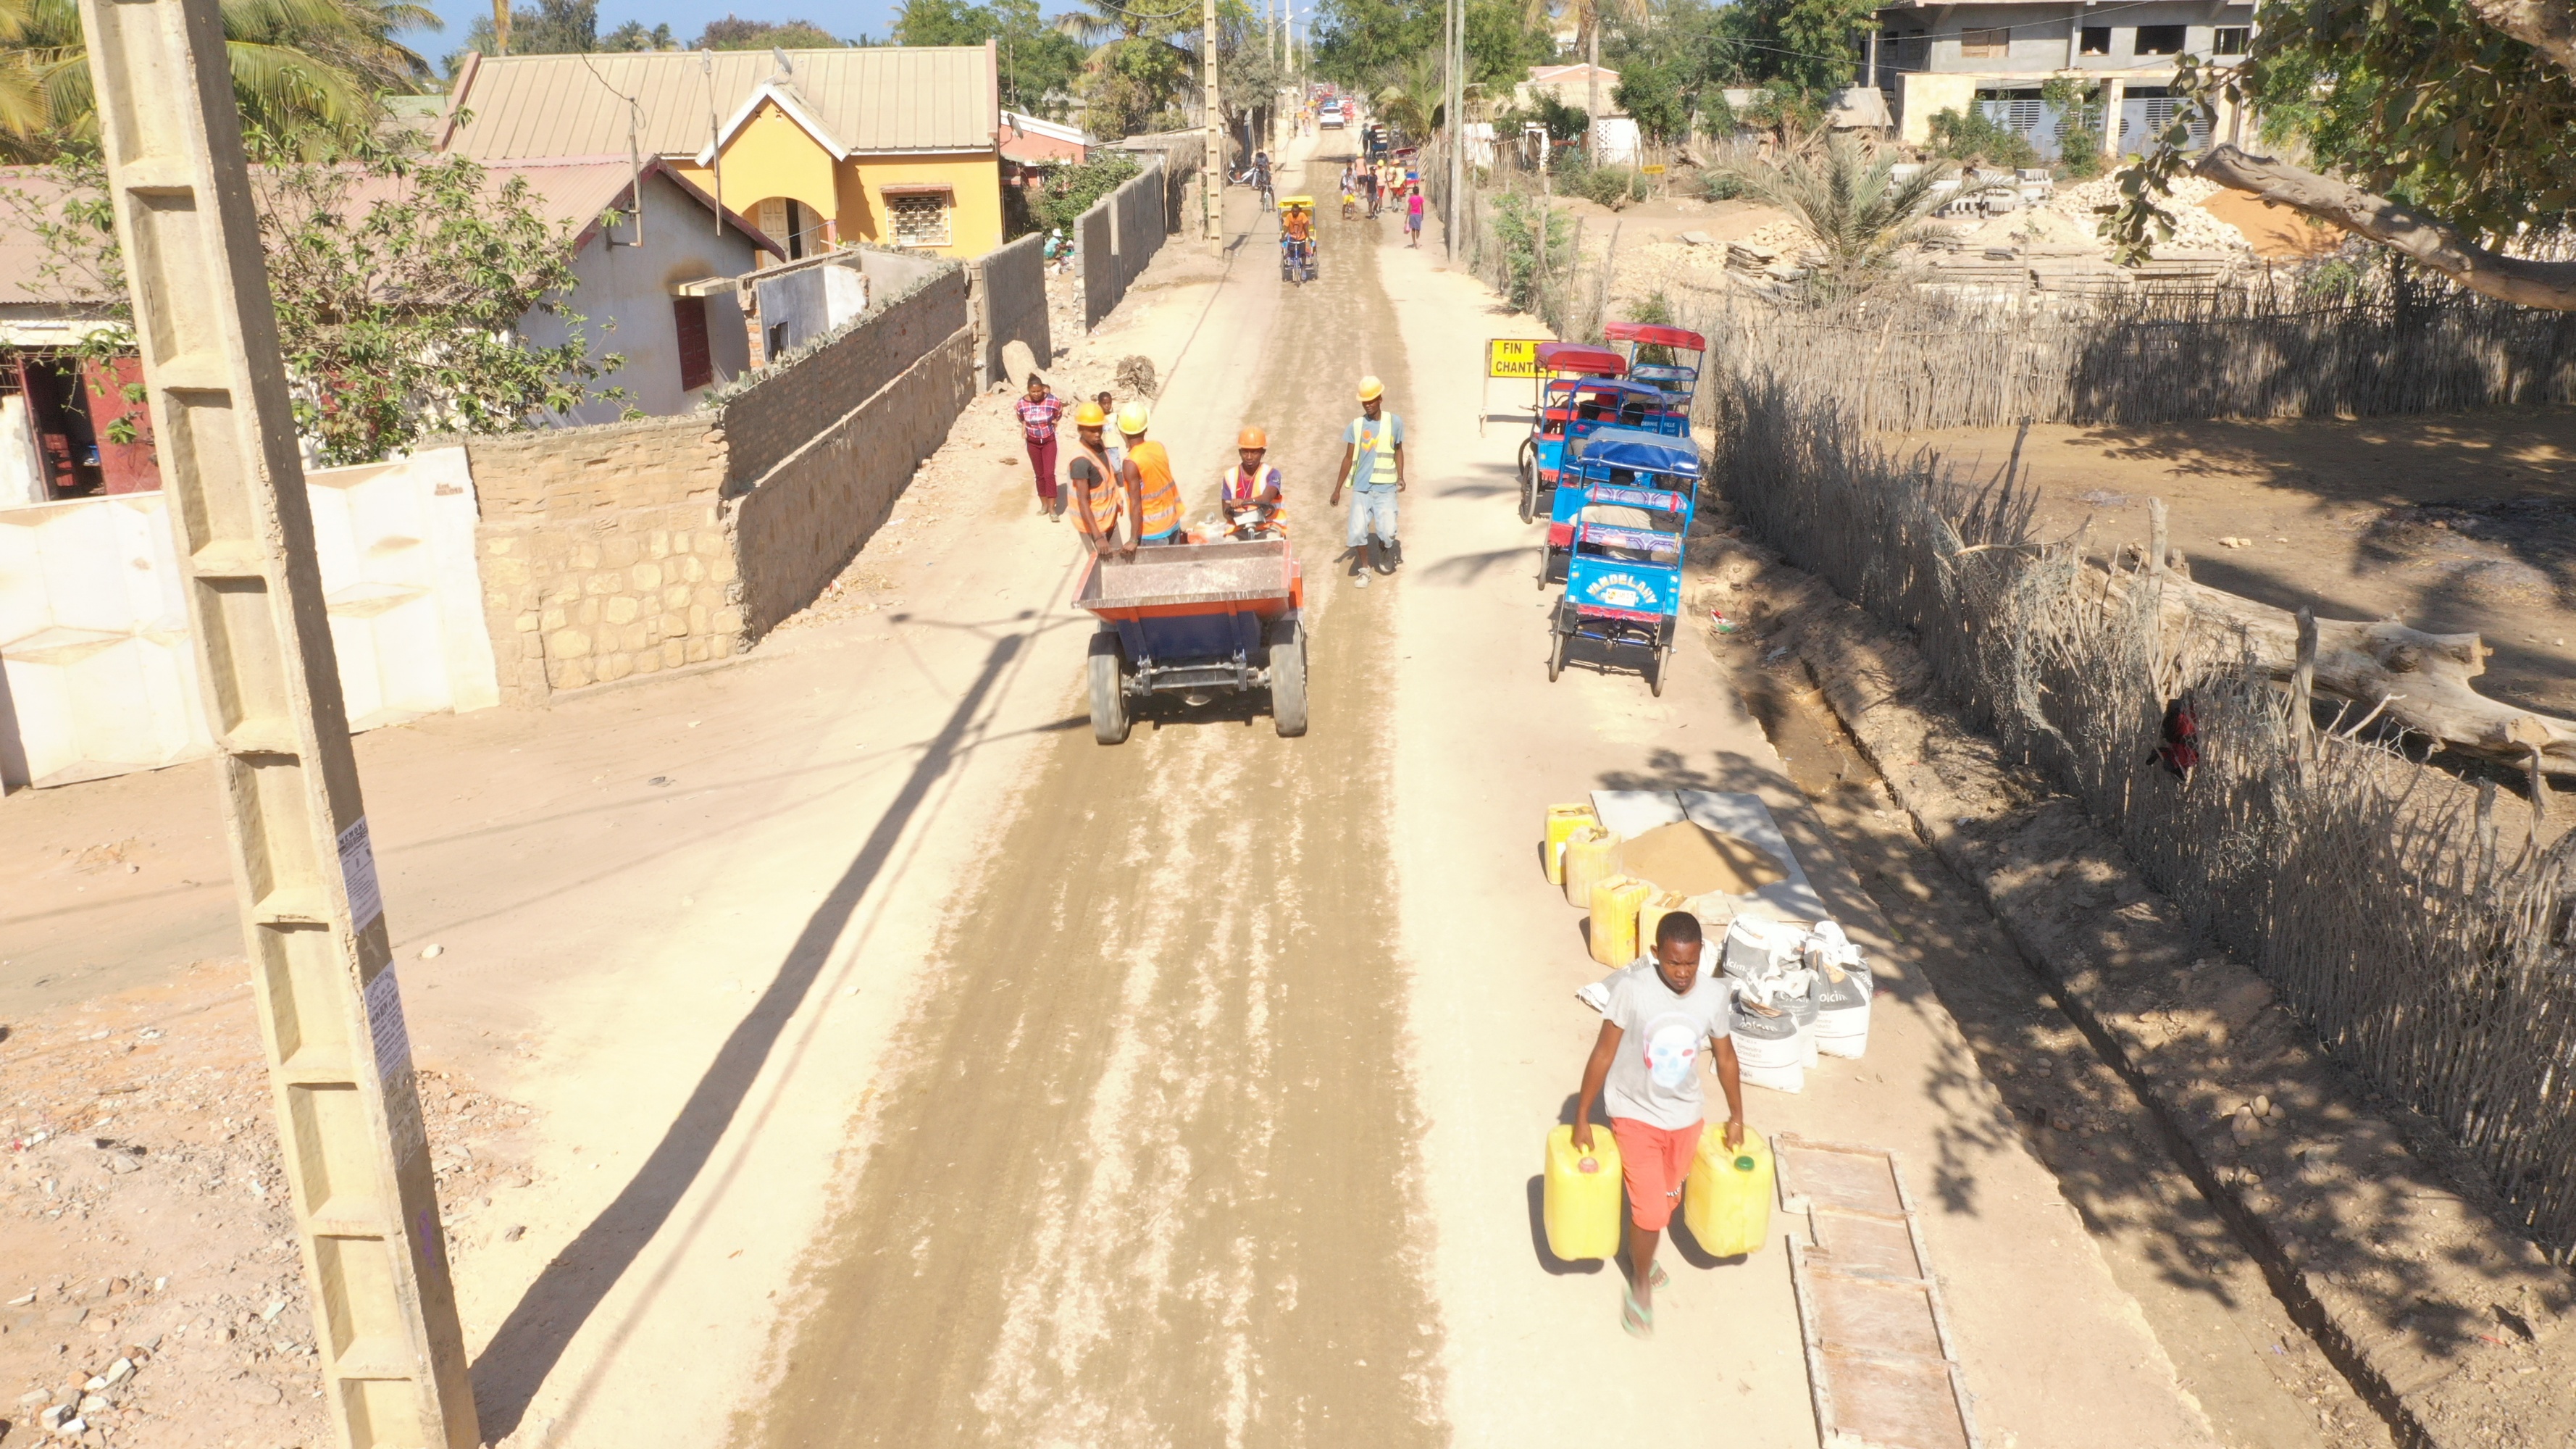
1620 457
1575 410
1623 585
1666 357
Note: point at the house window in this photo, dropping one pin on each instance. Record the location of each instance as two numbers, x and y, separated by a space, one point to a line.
1993 44
921 218
2230 39
2096 40
697 364
2158 40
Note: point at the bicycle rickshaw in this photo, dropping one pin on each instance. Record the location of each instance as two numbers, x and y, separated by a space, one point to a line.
1668 357
1297 261
1576 408
1623 584
1615 458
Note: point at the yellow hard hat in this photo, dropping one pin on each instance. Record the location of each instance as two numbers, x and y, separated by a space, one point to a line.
1370 387
1089 415
1132 419
1252 438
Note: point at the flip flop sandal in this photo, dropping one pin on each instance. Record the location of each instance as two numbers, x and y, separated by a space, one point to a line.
1657 1278
1640 1322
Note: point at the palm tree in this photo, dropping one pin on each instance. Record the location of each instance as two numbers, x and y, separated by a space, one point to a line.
1845 196
1588 15
295 64
1408 93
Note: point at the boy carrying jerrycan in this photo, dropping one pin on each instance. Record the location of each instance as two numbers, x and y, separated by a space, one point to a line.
1655 1014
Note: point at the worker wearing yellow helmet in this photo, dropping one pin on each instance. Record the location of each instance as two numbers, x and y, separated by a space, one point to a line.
1094 480
1249 493
1153 493
1373 467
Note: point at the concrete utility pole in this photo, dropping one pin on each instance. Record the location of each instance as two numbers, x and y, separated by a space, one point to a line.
1457 125
304 872
1212 174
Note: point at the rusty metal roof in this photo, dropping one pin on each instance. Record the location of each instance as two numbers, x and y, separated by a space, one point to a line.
868 100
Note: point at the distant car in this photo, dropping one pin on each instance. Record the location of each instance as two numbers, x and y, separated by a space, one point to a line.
1333 115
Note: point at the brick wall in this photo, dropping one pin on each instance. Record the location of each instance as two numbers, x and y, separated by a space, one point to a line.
1010 303
788 407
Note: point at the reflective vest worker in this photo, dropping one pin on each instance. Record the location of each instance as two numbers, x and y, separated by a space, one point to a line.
1250 494
1373 467
1153 494
1093 479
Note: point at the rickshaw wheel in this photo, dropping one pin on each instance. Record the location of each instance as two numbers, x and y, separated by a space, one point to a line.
1529 483
1556 651
1663 663
1109 721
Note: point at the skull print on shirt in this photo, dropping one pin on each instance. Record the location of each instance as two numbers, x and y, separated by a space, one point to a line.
1672 1047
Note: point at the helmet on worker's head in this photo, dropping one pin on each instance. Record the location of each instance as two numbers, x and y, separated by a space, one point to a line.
1132 419
1089 415
1252 438
1371 389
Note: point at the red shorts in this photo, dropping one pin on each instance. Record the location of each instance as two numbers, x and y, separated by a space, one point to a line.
1655 1161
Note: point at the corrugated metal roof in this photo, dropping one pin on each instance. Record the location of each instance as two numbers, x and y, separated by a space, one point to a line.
873 99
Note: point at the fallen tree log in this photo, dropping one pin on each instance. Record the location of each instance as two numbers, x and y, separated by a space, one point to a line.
2419 680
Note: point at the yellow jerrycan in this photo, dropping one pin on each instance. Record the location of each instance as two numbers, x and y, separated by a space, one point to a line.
1561 822
1652 913
1727 1197
1614 919
1582 1197
1588 849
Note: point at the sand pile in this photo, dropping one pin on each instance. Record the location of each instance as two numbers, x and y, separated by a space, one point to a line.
1694 861
2195 230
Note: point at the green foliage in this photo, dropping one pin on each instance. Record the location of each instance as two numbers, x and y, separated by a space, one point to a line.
550 27
399 282
1651 92
731 33
1610 186
1039 62
1129 85
632 36
1501 49
1844 194
1070 190
1812 46
1970 136
1785 109
1720 185
2079 105
1356 40
1515 225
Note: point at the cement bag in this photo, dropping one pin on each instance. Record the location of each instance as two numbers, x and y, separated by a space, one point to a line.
1758 948
1842 1011
1793 992
1766 1045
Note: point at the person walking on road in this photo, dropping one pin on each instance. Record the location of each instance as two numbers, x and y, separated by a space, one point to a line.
1373 467
1153 493
1645 1071
1413 217
1038 411
1094 480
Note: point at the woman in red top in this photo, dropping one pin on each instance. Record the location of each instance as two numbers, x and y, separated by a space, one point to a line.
1038 413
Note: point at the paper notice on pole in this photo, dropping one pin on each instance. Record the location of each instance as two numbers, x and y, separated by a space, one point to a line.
393 1060
358 868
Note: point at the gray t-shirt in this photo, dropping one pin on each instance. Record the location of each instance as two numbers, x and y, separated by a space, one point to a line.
1655 1076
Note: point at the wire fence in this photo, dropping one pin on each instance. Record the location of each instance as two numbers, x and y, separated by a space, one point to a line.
2413 921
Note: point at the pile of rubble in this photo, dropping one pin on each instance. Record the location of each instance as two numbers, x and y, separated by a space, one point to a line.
2195 230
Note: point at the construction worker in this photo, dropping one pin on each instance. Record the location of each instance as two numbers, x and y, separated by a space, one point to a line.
1249 494
1153 494
1375 443
1094 481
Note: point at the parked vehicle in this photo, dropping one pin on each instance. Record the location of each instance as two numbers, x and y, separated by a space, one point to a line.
1572 410
1623 583
1332 115
1196 620
1668 357
1613 457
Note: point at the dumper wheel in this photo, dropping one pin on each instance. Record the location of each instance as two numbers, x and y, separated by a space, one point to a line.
1288 678
1663 666
1109 722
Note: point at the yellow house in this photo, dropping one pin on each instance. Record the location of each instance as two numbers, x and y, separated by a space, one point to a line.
894 145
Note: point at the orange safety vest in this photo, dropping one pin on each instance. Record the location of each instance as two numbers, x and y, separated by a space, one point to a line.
1158 492
1104 500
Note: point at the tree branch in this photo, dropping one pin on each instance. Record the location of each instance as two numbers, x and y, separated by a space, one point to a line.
2547 26
2547 285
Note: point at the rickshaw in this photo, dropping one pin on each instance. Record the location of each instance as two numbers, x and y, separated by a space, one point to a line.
1668 357
1572 410
1623 585
1560 365
1616 458
1297 263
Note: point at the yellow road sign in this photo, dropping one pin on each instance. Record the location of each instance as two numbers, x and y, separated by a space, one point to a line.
1511 356
1652 170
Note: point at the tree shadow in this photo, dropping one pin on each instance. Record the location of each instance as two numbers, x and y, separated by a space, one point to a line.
532 1340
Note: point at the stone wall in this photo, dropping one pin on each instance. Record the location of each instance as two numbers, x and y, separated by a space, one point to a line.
1138 205
604 552
788 407
1010 304
1096 249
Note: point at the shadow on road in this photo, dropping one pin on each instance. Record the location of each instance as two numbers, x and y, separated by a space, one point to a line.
555 1307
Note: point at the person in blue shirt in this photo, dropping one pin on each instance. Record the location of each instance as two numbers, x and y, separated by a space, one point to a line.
1373 468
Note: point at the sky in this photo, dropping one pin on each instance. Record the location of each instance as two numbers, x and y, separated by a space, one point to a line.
845 18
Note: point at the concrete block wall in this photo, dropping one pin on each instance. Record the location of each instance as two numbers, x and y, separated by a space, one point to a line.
1010 304
787 408
1096 248
802 522
605 553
